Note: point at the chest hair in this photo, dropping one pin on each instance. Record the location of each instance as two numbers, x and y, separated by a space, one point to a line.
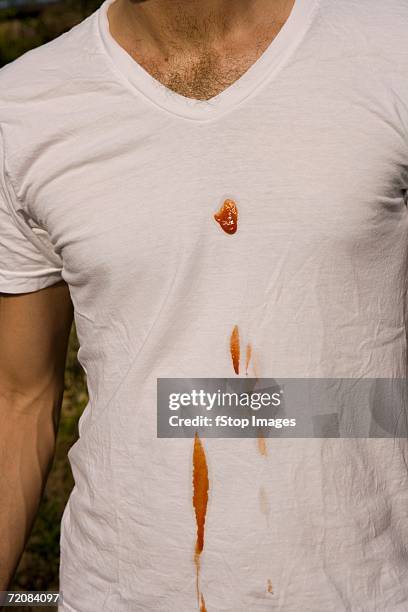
205 73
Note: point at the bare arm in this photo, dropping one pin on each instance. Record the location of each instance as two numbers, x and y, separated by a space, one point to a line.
34 333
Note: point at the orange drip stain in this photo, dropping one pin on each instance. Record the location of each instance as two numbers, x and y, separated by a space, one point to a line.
235 349
202 607
227 217
248 357
269 587
262 446
200 490
201 486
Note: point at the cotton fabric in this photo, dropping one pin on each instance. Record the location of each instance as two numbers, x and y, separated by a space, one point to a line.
110 181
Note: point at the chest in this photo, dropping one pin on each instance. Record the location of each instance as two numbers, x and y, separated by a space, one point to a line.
139 205
136 201
207 72
200 78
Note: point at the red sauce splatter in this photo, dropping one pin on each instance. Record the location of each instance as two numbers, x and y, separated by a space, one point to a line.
201 486
270 588
248 357
200 490
227 217
235 349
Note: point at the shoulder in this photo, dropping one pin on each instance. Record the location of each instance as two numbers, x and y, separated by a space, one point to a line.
366 13
52 69
374 25
49 96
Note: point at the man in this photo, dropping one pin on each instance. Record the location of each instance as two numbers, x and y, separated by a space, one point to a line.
190 178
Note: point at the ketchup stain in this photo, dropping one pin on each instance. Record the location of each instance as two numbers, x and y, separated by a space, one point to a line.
227 217
201 486
235 349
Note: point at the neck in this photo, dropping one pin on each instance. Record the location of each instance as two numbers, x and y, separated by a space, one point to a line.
168 25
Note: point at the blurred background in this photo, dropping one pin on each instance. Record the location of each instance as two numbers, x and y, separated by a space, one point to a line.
24 25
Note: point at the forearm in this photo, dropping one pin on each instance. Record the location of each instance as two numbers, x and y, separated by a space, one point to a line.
27 443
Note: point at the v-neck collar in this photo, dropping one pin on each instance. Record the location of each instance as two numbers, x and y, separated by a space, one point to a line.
262 70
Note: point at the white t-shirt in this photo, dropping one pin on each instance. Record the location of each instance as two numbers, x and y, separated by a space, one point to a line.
110 181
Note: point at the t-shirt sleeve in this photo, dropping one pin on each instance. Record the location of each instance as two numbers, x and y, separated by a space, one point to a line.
27 260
